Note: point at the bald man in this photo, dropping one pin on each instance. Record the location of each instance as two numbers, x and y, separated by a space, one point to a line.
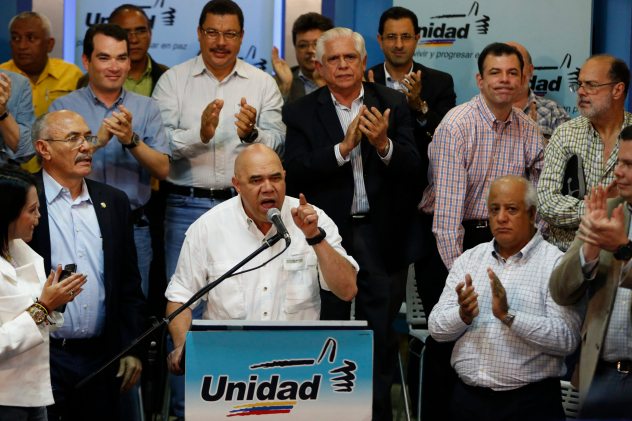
546 112
224 235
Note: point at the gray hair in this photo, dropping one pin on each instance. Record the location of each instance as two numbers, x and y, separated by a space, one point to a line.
530 195
43 18
39 130
339 32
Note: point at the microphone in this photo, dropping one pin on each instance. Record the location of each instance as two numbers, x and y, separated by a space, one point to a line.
274 216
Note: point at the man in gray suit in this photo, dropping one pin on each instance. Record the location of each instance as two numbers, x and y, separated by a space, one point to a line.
295 82
596 268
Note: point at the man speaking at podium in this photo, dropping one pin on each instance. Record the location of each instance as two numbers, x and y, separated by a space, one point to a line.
286 288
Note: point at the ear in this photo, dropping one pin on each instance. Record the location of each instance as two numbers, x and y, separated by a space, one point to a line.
479 80
618 90
235 183
532 212
43 149
379 41
85 61
364 64
51 44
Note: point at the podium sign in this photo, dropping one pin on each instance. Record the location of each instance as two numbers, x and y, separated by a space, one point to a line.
279 372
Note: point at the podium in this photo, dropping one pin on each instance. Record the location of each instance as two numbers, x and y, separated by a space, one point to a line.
304 370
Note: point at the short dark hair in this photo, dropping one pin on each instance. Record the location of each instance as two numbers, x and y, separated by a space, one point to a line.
396 13
499 49
107 29
620 72
626 134
123 7
14 184
309 21
222 7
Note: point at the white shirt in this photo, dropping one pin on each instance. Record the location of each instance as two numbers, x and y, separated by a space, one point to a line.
184 91
24 366
287 288
489 354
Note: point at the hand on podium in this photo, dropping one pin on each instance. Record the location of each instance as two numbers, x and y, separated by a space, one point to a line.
175 361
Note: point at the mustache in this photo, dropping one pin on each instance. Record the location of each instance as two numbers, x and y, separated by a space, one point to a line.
83 157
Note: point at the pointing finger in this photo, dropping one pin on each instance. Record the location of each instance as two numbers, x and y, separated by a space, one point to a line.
301 199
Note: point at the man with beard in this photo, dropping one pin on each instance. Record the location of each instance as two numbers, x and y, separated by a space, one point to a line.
593 137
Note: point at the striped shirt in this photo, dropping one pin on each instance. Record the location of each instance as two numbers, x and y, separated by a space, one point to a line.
489 354
469 150
576 137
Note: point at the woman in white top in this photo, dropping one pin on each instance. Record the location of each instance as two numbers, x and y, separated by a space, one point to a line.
27 301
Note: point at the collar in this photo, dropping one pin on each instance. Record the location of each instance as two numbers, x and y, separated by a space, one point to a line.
360 99
52 189
240 69
487 113
525 252
97 101
389 78
147 71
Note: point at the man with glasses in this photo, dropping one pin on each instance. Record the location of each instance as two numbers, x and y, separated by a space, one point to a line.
592 139
302 79
350 149
212 106
87 223
132 143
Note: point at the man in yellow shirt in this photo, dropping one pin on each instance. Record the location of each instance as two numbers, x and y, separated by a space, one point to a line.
31 41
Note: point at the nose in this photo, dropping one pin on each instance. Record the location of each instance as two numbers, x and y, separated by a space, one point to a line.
502 215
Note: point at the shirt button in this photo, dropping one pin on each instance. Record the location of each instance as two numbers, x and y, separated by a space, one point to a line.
265 313
85 306
265 288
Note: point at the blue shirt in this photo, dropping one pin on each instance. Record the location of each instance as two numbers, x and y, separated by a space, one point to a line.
74 228
20 106
112 164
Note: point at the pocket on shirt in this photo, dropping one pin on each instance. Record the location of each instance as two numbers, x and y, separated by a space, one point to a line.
302 287
227 301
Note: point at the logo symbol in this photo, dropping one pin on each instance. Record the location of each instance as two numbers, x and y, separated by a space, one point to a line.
442 34
542 84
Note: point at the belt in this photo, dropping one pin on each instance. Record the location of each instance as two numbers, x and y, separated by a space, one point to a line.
623 366
85 344
138 218
220 194
476 224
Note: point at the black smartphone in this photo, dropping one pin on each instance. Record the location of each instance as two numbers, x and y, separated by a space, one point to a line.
68 270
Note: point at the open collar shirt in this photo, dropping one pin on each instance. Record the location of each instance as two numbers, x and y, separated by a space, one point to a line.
185 90
469 150
490 354
286 288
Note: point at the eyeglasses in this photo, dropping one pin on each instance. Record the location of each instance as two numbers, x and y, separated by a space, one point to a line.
395 37
213 34
138 32
304 45
589 87
75 141
337 60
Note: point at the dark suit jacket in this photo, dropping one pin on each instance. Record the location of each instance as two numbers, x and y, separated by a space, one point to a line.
297 89
124 301
313 129
438 91
157 70
568 287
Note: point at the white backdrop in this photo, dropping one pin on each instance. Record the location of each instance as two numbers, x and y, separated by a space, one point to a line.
557 34
175 22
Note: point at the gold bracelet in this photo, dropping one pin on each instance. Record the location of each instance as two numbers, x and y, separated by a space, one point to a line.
42 307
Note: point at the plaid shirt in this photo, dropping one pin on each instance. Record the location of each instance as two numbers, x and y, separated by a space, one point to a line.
489 354
576 137
550 114
469 150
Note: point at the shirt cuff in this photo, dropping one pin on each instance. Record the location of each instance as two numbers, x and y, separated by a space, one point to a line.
339 158
387 159
588 268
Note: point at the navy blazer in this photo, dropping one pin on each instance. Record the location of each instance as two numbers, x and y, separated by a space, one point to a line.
313 128
125 316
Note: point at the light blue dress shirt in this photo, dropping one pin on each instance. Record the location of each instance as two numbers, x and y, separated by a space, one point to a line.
20 106
75 230
112 164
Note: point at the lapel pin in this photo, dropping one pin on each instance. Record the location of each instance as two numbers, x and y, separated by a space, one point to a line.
103 205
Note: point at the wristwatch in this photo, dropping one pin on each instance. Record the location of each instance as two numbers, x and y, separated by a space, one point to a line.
624 252
133 143
251 137
37 313
317 238
508 319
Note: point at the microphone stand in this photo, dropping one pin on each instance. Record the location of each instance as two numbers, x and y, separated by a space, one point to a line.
157 324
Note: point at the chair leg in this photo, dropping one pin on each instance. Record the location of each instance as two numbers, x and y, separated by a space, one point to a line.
405 396
421 370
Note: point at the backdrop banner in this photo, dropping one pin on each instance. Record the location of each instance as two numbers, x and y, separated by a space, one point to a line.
557 34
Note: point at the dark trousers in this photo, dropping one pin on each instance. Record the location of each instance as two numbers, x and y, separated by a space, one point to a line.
609 396
537 401
21 413
71 363
430 274
380 295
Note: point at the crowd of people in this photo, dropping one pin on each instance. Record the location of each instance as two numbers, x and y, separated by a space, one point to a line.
150 182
